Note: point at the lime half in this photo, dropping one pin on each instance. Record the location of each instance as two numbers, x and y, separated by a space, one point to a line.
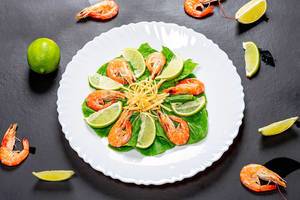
189 108
278 127
252 58
147 132
173 69
251 11
54 175
105 117
103 82
136 59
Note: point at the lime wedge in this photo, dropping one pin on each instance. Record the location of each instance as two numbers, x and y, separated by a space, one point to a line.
189 108
252 58
105 117
136 59
251 11
278 127
173 69
147 132
54 175
103 82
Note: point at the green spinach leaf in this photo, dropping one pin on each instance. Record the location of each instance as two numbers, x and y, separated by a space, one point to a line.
168 54
145 49
160 144
102 132
188 68
198 124
102 69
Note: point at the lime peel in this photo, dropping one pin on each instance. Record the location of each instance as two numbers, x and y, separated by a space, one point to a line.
251 11
43 55
98 81
105 117
136 59
278 127
54 175
189 108
252 58
147 132
173 69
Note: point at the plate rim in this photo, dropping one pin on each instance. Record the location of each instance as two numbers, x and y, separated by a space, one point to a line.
173 179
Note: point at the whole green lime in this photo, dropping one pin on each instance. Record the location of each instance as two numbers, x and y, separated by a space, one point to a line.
43 55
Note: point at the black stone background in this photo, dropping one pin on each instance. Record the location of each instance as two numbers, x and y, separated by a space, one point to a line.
30 100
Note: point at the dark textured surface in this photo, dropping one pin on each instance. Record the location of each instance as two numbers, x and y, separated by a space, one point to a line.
30 100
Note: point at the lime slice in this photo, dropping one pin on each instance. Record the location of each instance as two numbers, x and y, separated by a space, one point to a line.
147 132
278 127
54 175
136 59
105 117
189 108
252 58
103 82
173 69
251 11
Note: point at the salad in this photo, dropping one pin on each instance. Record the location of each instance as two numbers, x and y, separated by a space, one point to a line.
147 100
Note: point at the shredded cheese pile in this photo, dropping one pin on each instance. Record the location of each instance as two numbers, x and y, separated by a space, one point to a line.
143 96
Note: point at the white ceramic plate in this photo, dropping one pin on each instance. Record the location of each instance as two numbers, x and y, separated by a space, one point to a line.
223 89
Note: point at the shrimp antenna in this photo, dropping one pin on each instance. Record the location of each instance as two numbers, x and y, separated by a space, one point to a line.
281 194
222 11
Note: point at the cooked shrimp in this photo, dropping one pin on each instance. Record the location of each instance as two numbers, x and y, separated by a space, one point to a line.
8 156
155 62
178 135
187 86
9 137
97 99
119 71
252 174
121 131
103 10
197 9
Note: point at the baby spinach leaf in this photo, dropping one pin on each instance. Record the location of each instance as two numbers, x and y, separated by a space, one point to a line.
145 75
160 144
188 68
167 84
167 53
136 126
86 110
121 149
102 69
198 124
145 49
102 132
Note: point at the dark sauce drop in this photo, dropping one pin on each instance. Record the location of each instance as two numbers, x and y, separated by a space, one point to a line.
32 150
297 123
267 57
282 166
265 18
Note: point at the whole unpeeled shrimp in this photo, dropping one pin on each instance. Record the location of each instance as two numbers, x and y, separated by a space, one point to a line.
8 156
187 86
197 9
251 175
121 131
97 99
178 135
103 10
118 70
155 62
